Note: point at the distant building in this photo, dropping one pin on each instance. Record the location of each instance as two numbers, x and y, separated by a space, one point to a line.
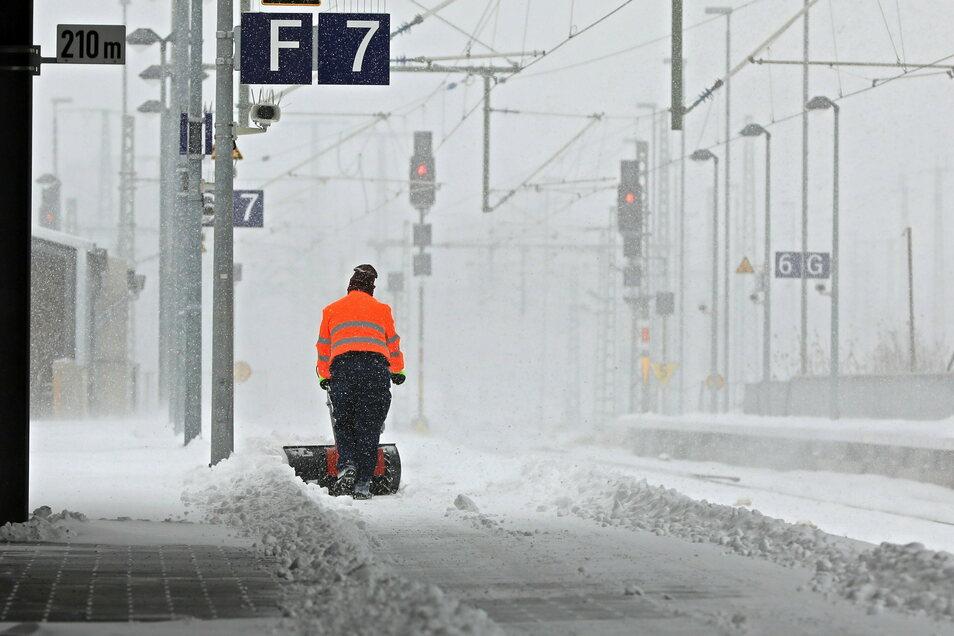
80 362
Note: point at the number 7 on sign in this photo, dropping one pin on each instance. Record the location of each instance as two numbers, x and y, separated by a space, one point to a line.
372 27
250 199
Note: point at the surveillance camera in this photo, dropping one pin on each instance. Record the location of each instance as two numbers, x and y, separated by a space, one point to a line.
820 288
265 114
754 297
703 308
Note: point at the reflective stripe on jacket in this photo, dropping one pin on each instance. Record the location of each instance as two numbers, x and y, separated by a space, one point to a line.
357 322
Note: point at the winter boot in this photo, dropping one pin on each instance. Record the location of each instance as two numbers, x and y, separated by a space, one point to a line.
362 490
345 483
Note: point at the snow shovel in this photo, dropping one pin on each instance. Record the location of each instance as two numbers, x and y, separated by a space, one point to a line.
320 463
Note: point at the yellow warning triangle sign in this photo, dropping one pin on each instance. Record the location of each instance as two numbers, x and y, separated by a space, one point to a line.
663 371
745 267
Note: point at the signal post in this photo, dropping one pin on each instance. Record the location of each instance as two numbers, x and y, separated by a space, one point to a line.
422 195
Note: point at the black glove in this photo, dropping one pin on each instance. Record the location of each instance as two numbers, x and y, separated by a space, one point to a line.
324 383
398 378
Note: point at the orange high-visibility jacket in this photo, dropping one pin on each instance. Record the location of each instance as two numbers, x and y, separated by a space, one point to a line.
357 322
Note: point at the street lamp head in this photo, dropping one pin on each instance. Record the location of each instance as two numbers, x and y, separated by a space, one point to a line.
702 154
753 130
153 72
718 10
820 102
61 100
143 37
150 106
47 179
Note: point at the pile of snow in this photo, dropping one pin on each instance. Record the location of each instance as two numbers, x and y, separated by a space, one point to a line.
334 583
43 525
909 578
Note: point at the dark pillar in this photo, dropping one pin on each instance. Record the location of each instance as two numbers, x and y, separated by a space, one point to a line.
16 129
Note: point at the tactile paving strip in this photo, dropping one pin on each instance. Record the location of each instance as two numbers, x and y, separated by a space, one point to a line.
47 582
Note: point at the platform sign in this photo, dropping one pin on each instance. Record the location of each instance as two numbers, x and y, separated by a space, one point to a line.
355 49
789 265
350 49
90 44
291 3
248 208
276 48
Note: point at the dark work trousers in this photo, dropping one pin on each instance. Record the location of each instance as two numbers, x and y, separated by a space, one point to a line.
360 392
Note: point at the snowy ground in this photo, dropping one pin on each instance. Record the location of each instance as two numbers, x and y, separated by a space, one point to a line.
546 529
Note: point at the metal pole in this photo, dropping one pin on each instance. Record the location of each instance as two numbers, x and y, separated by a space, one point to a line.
727 213
835 379
420 354
180 94
767 280
223 431
192 241
714 318
803 339
16 93
682 269
56 140
486 183
165 211
912 349
676 105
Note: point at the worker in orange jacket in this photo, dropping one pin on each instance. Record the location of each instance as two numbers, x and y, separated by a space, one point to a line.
359 356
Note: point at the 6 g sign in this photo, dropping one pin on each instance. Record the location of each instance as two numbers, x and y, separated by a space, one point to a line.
789 265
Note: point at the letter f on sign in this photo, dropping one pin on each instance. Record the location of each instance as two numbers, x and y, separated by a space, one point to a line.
278 44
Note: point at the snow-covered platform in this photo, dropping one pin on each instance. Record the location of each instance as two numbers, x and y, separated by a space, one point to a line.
41 582
917 450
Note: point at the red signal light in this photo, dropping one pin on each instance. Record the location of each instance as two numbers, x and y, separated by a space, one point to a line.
422 170
630 198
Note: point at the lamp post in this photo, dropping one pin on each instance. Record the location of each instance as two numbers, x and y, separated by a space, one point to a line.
755 130
143 38
706 155
56 101
824 103
727 12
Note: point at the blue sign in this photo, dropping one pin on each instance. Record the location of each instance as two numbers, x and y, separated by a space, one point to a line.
248 208
276 48
789 265
355 49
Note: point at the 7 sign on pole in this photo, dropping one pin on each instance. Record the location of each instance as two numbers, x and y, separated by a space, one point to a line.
248 208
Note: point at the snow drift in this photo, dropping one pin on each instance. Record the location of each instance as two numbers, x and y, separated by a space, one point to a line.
904 577
335 585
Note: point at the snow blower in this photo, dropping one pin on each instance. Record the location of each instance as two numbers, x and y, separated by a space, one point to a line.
319 463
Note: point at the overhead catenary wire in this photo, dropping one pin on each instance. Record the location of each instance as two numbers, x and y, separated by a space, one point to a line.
546 163
834 43
629 49
468 113
904 57
327 149
707 93
887 28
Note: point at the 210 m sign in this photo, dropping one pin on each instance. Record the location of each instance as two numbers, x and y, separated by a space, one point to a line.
91 44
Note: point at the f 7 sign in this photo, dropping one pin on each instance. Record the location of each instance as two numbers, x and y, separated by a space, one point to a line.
789 265
344 48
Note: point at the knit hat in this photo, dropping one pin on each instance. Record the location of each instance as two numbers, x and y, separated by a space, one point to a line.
363 279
